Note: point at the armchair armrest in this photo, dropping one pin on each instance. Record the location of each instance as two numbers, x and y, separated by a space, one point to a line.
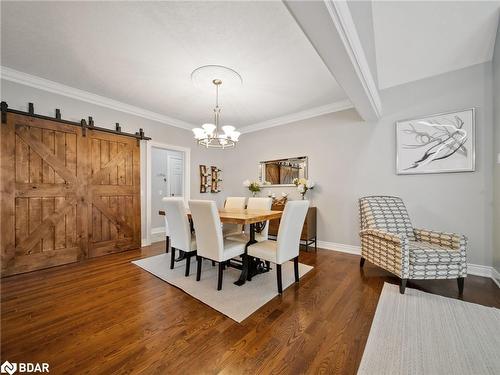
396 238
387 250
449 240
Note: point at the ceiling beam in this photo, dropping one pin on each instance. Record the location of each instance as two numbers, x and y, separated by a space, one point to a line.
329 27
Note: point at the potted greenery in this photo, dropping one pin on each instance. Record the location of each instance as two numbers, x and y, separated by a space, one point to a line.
254 186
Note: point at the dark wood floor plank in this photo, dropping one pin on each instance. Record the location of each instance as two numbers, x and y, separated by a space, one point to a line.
107 316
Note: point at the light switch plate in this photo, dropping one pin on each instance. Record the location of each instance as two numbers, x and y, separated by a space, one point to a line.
498 158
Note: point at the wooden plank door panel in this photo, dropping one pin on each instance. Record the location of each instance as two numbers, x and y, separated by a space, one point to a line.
114 217
39 196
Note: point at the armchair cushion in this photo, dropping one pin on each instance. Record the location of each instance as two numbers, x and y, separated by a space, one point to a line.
429 253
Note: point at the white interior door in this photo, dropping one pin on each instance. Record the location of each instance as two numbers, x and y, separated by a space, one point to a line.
167 180
175 174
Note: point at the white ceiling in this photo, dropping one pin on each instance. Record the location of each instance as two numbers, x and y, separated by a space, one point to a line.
417 39
143 54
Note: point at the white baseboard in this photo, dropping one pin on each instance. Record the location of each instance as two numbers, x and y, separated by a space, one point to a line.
472 269
157 234
343 248
479 270
495 275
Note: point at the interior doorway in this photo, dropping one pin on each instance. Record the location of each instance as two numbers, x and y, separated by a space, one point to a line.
168 176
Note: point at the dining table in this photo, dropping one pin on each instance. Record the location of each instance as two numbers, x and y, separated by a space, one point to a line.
256 220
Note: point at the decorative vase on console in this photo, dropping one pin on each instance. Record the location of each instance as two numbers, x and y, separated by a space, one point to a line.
303 186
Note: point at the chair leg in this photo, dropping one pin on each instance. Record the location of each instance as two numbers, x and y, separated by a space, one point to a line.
362 262
172 258
278 275
460 282
221 272
198 267
167 243
296 268
402 286
188 264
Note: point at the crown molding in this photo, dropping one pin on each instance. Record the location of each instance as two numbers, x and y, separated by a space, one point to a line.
57 88
298 116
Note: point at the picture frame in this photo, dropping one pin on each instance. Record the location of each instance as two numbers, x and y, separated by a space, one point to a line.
437 143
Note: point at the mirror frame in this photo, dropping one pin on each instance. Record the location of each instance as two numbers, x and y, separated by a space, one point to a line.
306 170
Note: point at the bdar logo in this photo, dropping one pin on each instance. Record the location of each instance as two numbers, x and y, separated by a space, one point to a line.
8 367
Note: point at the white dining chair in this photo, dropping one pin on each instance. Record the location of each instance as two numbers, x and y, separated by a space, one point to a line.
211 243
233 203
255 204
180 234
286 247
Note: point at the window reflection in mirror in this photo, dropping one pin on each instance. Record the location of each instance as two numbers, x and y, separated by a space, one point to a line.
283 171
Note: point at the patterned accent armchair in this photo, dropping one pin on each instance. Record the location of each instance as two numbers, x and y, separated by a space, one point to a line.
389 241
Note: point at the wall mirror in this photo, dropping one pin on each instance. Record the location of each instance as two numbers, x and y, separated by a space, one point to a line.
282 171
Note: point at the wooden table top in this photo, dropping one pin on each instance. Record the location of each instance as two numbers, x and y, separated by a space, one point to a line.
237 216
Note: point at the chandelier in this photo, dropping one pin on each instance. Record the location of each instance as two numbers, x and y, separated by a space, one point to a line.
209 135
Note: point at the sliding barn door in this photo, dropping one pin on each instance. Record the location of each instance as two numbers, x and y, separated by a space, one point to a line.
42 179
114 215
66 195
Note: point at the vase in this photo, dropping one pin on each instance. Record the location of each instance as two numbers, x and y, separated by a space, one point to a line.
254 193
303 195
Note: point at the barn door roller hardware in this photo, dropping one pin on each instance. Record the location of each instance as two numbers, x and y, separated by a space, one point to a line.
83 124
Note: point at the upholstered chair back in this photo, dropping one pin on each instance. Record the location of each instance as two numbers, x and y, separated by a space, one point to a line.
177 222
207 226
235 202
261 204
385 213
291 224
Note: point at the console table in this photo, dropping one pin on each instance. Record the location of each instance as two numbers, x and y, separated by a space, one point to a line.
308 236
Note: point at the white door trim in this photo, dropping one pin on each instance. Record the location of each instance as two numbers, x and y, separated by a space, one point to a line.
186 183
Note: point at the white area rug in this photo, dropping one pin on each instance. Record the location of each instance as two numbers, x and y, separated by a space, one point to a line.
256 293
421 333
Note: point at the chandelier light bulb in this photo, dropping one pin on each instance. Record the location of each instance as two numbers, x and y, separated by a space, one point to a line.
235 135
228 129
199 133
209 128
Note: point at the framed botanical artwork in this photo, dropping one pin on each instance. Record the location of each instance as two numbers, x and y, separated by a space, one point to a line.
440 143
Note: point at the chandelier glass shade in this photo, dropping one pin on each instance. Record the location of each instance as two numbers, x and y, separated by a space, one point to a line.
210 135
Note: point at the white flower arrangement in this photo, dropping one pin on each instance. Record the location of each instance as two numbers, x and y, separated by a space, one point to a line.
303 185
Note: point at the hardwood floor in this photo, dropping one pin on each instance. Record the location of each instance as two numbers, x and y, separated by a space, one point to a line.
107 315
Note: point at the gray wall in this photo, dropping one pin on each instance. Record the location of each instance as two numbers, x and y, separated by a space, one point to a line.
17 97
349 158
496 202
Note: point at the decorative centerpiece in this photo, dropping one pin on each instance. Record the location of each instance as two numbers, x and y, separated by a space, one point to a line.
303 185
254 186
